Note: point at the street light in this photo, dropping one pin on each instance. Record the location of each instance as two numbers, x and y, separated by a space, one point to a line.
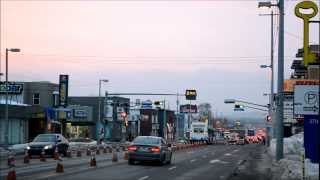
99 101
280 97
7 93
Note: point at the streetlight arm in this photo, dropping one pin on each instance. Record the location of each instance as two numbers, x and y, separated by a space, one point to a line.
259 109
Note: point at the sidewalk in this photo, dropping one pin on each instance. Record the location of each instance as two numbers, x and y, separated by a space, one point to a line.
258 166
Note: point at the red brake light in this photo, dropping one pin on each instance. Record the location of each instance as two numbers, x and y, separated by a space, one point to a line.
132 148
155 149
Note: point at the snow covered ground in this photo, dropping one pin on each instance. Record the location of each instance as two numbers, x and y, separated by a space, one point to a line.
291 166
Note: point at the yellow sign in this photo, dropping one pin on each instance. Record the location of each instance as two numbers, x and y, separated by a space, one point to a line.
308 57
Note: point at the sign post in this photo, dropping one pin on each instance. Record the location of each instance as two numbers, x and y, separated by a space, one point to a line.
306 102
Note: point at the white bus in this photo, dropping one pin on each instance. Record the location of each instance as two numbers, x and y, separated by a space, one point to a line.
199 131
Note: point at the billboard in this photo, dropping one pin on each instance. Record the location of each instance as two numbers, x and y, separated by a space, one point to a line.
63 90
188 108
12 88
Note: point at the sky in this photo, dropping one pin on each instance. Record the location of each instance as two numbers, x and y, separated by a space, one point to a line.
215 47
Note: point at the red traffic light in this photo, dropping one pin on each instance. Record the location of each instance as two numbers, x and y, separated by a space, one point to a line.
123 114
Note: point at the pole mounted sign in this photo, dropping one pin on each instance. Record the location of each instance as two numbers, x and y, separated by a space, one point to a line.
306 99
308 57
63 90
191 94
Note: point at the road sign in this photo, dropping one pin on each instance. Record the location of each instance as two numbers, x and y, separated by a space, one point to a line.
306 99
191 94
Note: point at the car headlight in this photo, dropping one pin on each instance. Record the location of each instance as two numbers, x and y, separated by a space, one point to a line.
48 147
28 147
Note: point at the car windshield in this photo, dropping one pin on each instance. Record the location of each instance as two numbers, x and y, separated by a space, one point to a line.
45 138
147 141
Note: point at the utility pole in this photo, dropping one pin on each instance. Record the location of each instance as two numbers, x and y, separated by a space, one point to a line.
279 111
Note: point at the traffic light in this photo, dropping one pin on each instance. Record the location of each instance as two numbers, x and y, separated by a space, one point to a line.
123 114
269 119
157 103
238 107
191 94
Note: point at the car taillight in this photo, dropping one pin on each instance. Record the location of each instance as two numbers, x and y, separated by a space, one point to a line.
132 148
155 149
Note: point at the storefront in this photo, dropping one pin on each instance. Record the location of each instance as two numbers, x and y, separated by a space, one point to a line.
81 123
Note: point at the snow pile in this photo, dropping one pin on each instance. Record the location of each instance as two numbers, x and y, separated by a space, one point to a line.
291 165
291 145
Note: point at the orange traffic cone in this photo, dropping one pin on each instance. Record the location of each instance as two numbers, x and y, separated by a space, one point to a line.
88 151
105 150
26 158
42 156
12 172
69 153
109 149
98 150
56 154
114 156
93 162
125 155
59 168
79 152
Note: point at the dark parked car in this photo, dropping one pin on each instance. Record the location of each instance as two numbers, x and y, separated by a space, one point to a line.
149 148
48 143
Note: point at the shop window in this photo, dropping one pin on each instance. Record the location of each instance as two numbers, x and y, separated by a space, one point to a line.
36 99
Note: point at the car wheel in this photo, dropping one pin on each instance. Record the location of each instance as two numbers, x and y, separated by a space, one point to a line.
130 162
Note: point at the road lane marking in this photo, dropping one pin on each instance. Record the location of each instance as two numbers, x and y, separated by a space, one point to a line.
227 154
214 161
193 160
172 168
143 178
217 161
204 156
236 150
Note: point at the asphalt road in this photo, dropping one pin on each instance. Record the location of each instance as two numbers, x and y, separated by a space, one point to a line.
208 162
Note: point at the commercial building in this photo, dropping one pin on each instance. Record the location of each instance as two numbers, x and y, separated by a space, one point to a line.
27 105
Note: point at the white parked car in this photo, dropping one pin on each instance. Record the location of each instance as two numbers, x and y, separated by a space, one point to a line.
82 143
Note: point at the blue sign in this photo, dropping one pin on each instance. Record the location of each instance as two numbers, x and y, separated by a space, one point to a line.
312 137
11 88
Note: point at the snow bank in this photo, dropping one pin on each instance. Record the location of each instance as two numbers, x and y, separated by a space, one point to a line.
291 165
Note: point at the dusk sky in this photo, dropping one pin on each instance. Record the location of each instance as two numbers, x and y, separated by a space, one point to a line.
215 47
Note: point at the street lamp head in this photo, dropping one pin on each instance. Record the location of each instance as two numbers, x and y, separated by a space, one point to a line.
265 4
264 66
229 101
14 50
104 80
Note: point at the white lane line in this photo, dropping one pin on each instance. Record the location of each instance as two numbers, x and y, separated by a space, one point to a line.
214 161
143 178
193 160
172 168
236 150
227 154
204 156
217 161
